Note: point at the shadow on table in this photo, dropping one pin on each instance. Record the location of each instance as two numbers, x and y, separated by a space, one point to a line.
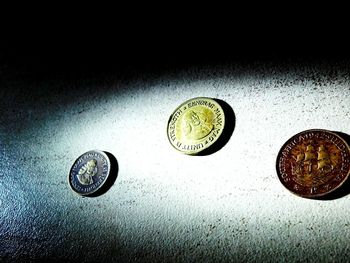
111 178
230 122
344 189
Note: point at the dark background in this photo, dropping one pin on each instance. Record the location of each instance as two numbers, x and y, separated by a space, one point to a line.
77 41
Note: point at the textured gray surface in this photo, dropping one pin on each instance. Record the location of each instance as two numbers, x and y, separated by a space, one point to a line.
166 206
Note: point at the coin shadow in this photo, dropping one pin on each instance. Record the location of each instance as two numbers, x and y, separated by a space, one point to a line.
230 122
344 189
111 178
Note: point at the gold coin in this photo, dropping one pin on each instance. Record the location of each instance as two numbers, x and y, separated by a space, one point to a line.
196 125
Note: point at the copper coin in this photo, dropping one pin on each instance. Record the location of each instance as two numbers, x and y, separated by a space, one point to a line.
313 163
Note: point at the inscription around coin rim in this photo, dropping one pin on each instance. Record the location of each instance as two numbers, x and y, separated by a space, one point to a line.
103 163
207 140
313 191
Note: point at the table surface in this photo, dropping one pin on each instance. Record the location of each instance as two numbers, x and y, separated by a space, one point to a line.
166 206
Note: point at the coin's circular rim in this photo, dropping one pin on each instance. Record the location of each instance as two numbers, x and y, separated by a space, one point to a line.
100 186
316 195
204 148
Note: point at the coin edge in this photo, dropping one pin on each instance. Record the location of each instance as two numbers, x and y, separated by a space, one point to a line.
318 195
100 186
205 148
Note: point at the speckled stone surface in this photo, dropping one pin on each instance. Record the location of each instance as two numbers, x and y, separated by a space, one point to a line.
165 206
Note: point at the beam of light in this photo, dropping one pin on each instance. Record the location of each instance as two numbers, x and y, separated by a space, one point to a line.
230 202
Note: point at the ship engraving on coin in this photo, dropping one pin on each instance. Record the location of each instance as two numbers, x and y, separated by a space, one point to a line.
313 163
196 125
89 172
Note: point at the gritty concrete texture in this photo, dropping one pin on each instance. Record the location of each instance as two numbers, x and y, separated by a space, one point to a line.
165 206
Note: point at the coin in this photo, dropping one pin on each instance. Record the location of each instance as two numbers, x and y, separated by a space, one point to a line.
89 172
196 125
313 163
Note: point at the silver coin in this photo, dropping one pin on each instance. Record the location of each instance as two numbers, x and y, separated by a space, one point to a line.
89 172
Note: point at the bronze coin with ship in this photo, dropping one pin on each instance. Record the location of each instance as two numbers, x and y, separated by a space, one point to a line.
89 172
196 125
313 163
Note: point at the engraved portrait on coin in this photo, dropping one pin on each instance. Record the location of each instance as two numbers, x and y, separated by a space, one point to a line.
89 172
196 125
313 163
